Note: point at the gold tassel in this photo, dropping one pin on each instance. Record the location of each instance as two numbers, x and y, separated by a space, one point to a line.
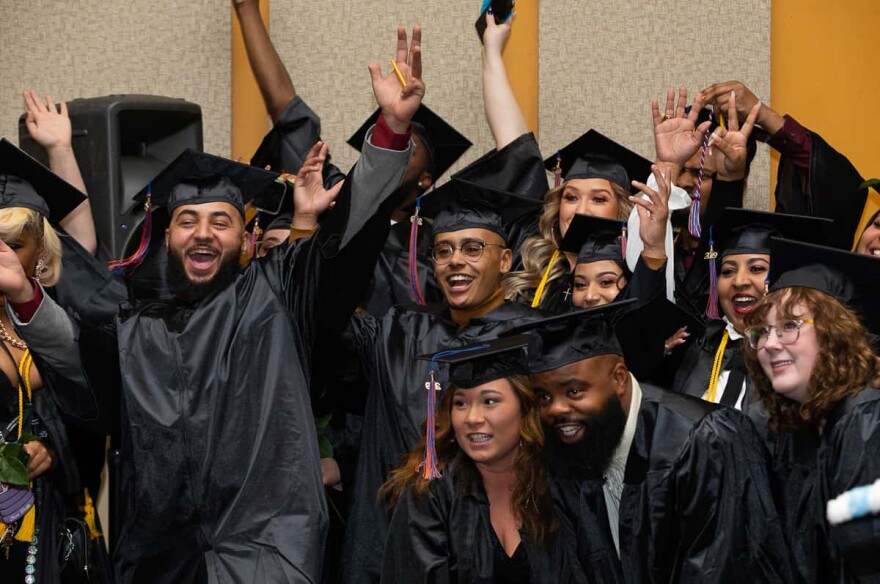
28 522
89 512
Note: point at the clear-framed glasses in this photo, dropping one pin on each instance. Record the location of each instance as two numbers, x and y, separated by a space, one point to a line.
471 250
788 332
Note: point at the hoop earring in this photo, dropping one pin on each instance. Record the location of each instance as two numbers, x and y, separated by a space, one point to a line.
40 270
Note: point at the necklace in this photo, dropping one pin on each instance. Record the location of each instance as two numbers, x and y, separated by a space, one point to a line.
4 335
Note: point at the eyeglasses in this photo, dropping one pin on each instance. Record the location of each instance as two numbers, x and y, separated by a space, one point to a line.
787 332
471 250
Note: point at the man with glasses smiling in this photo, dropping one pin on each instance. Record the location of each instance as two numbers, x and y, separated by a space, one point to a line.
471 253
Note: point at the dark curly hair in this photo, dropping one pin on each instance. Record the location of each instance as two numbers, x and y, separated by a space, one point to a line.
531 494
847 362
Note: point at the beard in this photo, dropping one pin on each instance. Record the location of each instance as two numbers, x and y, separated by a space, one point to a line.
189 292
590 457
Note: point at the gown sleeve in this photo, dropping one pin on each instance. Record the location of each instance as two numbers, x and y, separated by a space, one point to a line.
850 460
729 527
417 548
286 146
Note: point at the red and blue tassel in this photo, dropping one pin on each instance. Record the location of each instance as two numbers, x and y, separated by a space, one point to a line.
694 216
413 259
557 171
126 266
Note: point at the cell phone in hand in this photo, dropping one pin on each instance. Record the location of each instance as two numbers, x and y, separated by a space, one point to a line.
501 9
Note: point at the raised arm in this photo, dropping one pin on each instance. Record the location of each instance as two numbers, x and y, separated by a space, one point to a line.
50 127
272 76
503 113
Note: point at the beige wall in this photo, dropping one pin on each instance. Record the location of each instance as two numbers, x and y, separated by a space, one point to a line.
86 48
602 63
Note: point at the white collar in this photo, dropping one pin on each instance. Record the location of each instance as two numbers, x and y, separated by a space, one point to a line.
731 332
621 453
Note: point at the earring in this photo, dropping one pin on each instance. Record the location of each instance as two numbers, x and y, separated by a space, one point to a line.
40 269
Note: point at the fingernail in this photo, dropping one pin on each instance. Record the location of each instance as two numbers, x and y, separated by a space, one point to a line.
490 11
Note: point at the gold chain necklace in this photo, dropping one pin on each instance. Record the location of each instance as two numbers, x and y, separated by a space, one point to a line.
4 335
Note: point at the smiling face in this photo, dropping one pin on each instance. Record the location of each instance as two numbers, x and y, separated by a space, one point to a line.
582 405
486 420
790 367
596 283
741 285
869 242
465 283
203 236
587 196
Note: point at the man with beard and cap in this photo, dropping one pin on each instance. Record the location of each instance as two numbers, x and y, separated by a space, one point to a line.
221 479
471 252
661 487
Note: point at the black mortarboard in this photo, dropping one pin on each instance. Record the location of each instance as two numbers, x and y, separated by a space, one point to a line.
460 204
595 156
195 177
642 333
24 182
445 144
851 278
747 231
594 239
481 363
574 336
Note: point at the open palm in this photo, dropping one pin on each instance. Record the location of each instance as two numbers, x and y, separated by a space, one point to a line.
676 136
399 104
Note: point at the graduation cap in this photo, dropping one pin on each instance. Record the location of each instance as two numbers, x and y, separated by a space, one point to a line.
746 231
851 278
574 336
595 156
445 144
470 366
461 204
24 182
595 239
196 178
642 333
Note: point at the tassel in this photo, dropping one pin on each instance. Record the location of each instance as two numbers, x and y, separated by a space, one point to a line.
126 267
557 171
256 234
89 515
430 467
694 216
413 259
28 523
766 286
712 306
624 232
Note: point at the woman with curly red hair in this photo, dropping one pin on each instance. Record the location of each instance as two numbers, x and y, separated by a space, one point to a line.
489 516
818 378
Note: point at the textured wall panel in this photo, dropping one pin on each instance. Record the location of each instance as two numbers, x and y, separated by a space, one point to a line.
602 62
327 52
86 48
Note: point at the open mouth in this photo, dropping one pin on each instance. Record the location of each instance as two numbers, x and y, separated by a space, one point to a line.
479 438
743 303
202 259
779 366
874 251
569 432
459 282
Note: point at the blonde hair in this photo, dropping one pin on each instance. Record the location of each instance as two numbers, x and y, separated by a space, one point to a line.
16 220
537 250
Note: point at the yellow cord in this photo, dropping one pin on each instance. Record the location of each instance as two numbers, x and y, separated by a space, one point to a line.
540 291
89 515
28 522
716 369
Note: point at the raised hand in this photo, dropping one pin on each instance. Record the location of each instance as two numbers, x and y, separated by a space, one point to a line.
399 104
50 128
719 95
729 147
678 338
310 198
676 136
495 35
14 283
653 213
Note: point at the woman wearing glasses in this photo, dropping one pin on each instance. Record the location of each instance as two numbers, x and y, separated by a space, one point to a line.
817 376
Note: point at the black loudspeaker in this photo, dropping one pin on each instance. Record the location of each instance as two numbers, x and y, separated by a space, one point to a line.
121 142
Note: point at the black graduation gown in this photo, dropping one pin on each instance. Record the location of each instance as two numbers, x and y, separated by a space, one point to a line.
692 283
447 536
696 504
695 369
218 430
830 189
517 168
394 416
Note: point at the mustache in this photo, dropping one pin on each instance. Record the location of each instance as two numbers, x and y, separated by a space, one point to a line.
567 419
